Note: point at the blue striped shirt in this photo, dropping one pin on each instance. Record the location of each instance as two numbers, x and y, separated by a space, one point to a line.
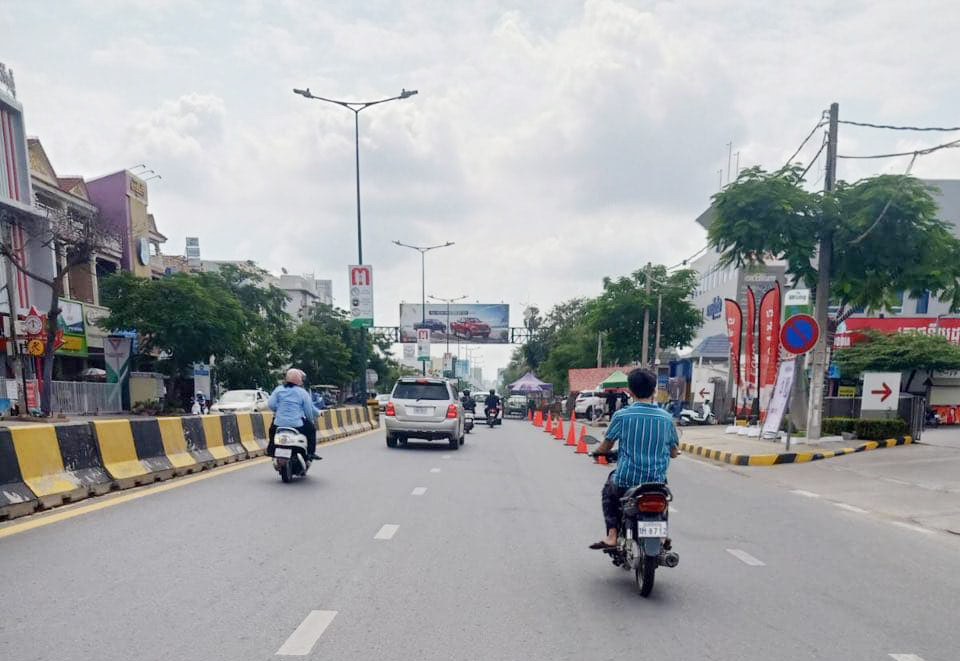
645 434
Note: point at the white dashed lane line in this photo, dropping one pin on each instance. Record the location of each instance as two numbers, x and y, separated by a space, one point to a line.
434 470
387 531
805 494
418 491
305 636
446 456
746 558
905 657
851 508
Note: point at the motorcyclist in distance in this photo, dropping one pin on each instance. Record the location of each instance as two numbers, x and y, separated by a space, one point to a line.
469 403
293 408
492 401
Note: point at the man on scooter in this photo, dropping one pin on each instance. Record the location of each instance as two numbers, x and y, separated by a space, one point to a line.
293 408
469 403
648 440
492 401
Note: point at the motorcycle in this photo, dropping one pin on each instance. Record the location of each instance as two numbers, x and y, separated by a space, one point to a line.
691 417
467 421
642 542
493 416
290 457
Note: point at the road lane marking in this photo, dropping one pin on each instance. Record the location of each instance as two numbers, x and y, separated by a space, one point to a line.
910 526
745 558
905 657
40 519
851 508
673 510
805 494
304 637
434 470
446 456
418 491
387 531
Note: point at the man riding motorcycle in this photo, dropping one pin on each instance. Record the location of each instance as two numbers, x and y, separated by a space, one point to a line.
648 440
469 403
492 402
293 408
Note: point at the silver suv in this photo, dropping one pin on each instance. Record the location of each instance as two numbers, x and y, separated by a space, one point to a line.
424 407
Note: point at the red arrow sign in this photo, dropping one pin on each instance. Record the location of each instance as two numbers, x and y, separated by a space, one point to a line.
703 393
886 392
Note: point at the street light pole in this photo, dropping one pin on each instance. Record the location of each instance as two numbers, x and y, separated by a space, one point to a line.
423 250
355 107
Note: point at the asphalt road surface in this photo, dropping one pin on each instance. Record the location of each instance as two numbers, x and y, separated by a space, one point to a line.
429 554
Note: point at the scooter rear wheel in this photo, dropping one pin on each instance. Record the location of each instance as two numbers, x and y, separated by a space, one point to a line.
644 575
286 472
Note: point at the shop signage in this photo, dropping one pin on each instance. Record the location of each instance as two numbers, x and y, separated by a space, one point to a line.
715 309
7 81
423 344
72 329
847 391
361 296
850 332
881 391
796 301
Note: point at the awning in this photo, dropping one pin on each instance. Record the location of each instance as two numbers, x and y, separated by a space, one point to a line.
529 383
616 380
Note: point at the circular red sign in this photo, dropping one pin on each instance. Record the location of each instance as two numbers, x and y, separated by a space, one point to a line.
799 333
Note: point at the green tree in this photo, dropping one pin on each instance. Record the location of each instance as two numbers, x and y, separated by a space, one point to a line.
898 352
177 317
885 236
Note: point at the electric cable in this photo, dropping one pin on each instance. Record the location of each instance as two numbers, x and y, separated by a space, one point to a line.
916 152
945 129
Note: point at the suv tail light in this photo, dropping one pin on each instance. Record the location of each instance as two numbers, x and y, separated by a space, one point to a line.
390 411
452 411
652 502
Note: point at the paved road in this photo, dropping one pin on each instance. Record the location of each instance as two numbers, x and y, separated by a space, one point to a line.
489 562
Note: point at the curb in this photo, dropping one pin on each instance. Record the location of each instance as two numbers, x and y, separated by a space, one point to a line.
787 457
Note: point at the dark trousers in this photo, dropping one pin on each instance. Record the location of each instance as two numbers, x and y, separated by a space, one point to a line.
610 500
307 429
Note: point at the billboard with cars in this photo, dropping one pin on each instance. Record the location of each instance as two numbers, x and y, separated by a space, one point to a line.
477 323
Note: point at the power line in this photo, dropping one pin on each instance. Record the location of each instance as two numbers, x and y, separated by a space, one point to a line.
945 129
886 206
823 145
916 152
805 141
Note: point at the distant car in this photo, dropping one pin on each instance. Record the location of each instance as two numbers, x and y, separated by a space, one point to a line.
241 401
424 407
590 404
470 327
432 324
382 400
516 406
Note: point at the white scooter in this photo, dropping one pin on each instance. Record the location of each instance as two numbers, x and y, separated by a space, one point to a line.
468 421
290 457
691 417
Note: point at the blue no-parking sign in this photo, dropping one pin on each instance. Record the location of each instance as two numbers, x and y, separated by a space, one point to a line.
799 333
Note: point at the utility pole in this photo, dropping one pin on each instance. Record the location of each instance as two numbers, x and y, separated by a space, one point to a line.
819 366
644 350
599 349
656 346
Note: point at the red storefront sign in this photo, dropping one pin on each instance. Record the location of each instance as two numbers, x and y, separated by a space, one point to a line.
850 332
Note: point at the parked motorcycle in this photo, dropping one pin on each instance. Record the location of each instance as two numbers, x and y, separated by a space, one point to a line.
642 541
691 417
290 457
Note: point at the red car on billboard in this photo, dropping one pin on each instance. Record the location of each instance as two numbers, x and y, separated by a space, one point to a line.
470 327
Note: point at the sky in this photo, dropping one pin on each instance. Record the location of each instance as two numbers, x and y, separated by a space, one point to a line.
554 142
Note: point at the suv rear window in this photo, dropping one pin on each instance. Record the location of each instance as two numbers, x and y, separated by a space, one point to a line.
431 391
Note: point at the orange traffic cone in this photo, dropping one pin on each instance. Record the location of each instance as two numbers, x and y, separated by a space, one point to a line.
558 432
548 427
538 419
582 444
530 415
572 436
573 416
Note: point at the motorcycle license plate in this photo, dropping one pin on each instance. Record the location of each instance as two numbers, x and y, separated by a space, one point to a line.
282 453
652 529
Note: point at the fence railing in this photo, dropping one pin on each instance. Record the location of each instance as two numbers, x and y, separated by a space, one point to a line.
84 397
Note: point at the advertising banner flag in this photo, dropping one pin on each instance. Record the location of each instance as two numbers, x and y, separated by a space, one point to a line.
734 317
780 399
749 352
769 344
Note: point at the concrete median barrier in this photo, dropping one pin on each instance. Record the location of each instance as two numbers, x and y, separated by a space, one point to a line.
213 437
148 442
16 499
119 454
254 445
336 420
81 456
43 470
175 447
196 441
325 431
230 432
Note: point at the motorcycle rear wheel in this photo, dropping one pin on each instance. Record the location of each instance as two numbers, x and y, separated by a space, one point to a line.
286 472
644 575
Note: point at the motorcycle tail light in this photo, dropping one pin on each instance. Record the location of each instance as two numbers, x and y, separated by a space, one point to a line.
390 410
652 502
452 411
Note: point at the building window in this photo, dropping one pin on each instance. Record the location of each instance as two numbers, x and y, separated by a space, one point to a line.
923 302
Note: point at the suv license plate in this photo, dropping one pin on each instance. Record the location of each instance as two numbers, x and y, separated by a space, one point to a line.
282 453
652 529
422 410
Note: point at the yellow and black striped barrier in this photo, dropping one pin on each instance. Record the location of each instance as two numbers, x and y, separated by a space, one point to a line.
46 465
787 457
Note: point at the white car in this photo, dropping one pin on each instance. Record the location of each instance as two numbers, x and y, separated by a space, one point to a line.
382 400
241 401
590 404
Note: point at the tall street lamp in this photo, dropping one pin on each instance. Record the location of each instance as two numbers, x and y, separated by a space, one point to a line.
446 333
423 250
355 107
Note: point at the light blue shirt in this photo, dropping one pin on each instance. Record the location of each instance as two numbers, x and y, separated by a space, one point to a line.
291 406
645 434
